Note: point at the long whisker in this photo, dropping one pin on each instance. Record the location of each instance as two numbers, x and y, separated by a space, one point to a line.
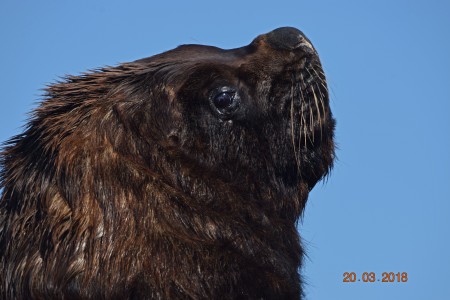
316 101
298 86
322 80
323 93
311 114
297 159
302 114
322 104
311 123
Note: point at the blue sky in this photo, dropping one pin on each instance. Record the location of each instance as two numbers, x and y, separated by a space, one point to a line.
386 206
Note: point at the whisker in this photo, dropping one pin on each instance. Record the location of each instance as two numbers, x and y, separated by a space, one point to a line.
305 133
318 69
322 80
316 101
297 159
311 114
311 123
322 98
323 95
302 115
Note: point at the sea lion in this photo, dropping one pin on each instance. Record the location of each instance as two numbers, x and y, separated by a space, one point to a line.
178 176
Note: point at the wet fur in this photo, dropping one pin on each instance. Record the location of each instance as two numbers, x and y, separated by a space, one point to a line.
125 184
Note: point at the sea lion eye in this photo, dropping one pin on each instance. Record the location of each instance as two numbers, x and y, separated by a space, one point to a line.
225 101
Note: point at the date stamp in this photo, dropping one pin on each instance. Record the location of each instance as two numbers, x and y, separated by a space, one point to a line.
373 277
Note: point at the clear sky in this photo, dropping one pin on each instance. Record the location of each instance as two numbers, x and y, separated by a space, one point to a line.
386 206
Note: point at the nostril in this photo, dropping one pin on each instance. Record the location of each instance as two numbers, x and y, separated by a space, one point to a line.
287 38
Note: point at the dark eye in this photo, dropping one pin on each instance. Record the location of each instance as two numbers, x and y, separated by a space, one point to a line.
223 100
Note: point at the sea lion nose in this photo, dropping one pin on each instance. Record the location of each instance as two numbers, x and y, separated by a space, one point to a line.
287 38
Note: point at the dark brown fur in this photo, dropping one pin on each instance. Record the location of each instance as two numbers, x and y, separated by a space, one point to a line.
128 183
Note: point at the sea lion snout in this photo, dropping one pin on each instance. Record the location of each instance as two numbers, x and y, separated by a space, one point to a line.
287 38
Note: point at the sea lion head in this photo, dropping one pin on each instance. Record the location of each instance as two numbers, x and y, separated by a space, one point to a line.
255 117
